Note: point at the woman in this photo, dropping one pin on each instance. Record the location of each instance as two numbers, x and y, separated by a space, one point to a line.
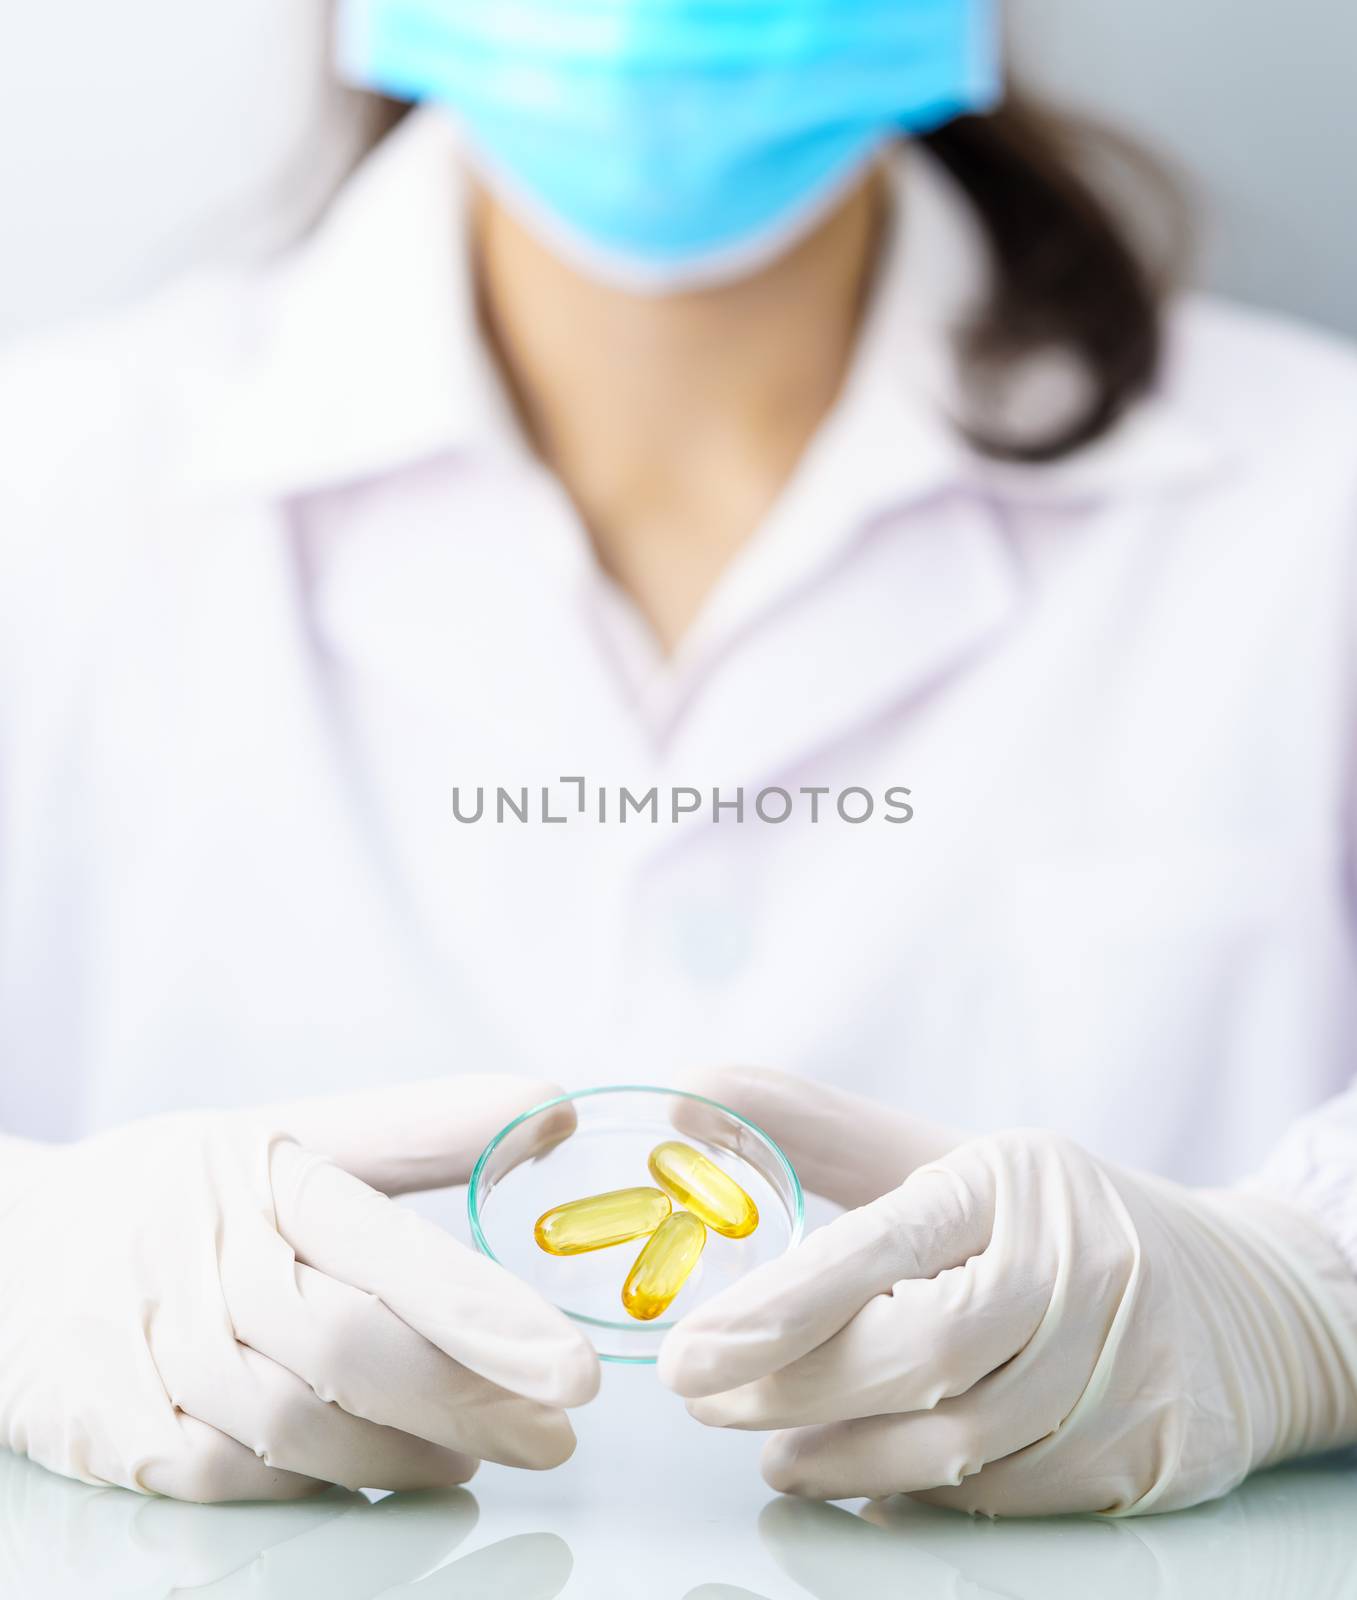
642 424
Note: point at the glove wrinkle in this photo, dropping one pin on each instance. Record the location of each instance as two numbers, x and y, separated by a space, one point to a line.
1020 1329
197 1305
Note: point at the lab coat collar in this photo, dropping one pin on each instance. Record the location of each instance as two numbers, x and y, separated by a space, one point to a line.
371 358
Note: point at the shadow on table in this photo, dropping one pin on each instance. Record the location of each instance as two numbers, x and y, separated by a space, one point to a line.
1290 1534
60 1539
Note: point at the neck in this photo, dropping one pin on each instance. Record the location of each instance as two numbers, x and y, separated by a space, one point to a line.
674 421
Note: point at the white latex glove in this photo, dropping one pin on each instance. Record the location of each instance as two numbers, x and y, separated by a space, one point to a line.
208 1306
1016 1328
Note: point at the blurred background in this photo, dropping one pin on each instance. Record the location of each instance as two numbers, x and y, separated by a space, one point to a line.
138 138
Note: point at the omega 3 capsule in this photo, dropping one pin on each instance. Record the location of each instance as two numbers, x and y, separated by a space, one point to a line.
601 1220
701 1187
663 1266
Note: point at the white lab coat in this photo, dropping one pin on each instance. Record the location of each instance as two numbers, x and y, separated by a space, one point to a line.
277 574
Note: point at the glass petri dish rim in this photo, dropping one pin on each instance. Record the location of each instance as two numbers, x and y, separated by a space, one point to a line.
798 1217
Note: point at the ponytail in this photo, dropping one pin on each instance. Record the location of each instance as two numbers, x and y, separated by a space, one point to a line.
1066 273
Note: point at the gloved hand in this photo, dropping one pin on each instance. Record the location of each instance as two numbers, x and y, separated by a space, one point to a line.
1016 1328
217 1306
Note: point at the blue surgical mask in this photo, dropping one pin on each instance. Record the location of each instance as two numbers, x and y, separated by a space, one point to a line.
668 143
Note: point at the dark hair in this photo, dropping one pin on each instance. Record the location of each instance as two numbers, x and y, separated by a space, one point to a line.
1067 272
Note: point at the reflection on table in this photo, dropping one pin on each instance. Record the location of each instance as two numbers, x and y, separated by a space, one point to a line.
1286 1535
64 1539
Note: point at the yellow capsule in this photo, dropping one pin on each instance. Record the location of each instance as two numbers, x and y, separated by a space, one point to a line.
663 1266
600 1220
700 1185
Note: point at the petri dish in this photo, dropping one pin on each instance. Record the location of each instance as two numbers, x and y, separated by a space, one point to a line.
598 1139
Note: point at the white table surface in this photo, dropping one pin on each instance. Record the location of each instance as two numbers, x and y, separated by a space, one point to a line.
653 1507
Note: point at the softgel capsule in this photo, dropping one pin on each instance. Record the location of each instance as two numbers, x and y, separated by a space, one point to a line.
601 1220
699 1185
663 1266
